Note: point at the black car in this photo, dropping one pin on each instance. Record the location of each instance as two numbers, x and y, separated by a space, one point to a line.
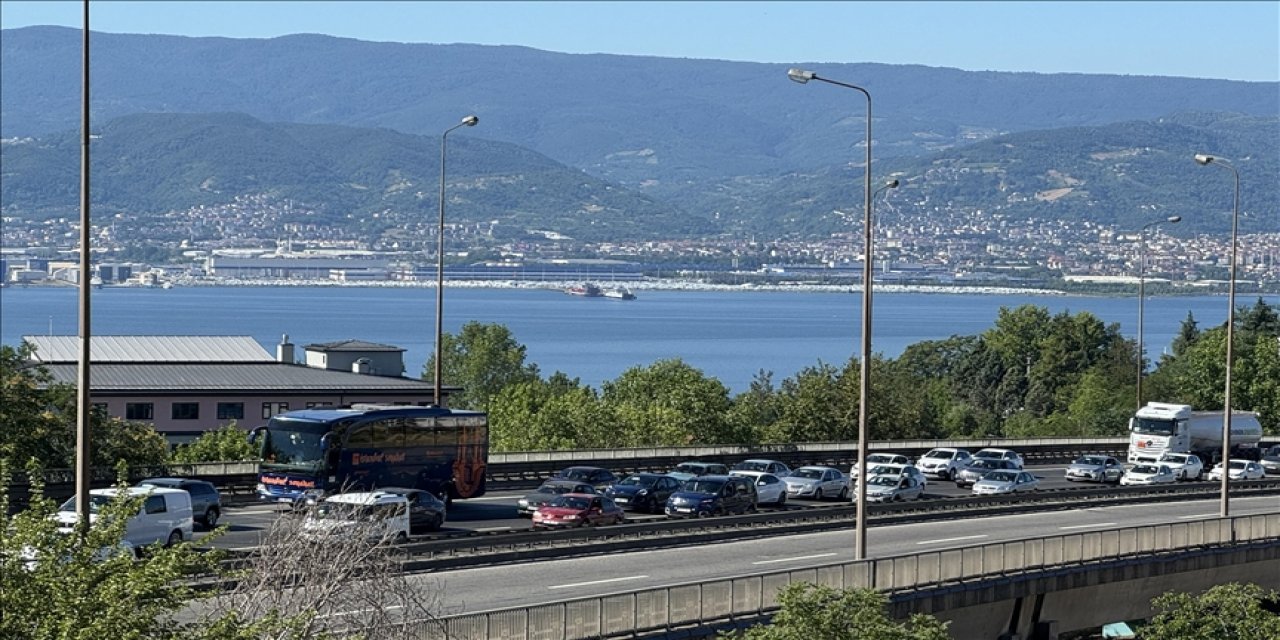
206 502
550 490
595 476
712 496
426 511
643 491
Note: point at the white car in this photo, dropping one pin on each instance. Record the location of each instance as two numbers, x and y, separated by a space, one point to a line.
165 517
770 489
775 467
943 463
817 483
898 470
1240 470
377 515
1186 466
1001 454
999 482
893 489
874 459
1149 473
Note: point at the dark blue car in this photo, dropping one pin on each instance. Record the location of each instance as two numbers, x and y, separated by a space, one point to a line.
712 496
643 491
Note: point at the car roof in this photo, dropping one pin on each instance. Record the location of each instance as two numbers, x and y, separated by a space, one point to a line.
365 497
583 468
136 491
588 496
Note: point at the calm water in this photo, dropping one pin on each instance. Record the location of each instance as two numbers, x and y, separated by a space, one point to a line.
728 335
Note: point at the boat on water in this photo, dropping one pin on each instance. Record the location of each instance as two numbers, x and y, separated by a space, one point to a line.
619 293
585 289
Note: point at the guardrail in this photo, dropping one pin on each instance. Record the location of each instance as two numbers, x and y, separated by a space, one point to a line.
701 603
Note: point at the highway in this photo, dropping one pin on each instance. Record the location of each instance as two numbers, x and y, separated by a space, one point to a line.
496 511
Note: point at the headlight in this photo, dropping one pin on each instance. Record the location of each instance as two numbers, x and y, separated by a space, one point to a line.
641 493
262 488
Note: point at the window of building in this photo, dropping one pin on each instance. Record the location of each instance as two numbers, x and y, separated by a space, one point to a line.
186 411
314 405
231 411
139 411
273 408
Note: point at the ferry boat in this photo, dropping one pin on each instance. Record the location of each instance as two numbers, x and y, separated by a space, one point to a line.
585 289
620 293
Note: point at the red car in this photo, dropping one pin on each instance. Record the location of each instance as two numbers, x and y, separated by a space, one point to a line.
578 510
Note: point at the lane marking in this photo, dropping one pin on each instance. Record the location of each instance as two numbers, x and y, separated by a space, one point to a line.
819 555
593 582
493 529
939 541
1202 515
254 512
492 498
1086 526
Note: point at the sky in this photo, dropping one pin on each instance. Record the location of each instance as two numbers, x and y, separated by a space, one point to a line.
1224 40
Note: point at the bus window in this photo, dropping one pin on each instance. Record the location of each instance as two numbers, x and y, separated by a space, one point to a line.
447 437
360 436
420 433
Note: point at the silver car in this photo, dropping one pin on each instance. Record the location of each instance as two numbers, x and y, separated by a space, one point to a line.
1271 459
972 473
999 482
1093 468
817 483
893 489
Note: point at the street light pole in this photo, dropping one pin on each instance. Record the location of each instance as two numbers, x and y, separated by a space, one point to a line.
1142 261
864 388
1204 159
469 121
84 391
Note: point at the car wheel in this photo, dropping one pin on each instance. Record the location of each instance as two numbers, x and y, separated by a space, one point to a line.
211 517
844 494
437 522
653 506
782 499
401 538
175 537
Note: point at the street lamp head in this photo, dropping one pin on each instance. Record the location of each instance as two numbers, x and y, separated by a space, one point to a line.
1204 158
800 75
892 183
1174 219
470 121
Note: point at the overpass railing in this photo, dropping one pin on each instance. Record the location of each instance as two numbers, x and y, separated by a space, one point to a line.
716 601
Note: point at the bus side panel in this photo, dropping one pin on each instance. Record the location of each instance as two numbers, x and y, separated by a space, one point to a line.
471 463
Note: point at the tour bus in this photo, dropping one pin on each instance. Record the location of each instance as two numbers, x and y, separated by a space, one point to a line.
312 453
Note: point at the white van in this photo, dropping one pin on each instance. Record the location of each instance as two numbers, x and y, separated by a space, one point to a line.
378 515
165 517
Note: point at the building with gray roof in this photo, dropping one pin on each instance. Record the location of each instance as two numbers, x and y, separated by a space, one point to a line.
186 385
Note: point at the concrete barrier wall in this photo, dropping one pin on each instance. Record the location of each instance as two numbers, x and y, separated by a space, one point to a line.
749 596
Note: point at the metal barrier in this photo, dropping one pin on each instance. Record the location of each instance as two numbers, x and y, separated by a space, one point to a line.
686 605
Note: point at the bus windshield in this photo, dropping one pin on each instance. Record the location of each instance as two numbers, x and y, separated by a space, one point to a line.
1149 427
292 445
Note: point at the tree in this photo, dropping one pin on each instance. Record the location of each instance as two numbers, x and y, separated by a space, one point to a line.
537 415
482 359
667 403
814 611
1233 610
225 444
1188 333
754 411
57 586
813 406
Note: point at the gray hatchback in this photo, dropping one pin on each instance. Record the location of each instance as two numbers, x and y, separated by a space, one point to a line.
206 502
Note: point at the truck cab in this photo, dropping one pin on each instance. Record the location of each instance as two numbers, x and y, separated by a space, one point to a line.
1158 428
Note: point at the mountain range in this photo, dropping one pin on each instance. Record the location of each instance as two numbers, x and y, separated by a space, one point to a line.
609 146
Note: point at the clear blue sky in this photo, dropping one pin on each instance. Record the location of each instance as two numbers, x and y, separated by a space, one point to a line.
1229 40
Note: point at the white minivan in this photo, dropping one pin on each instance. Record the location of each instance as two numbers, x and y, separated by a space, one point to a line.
165 517
377 515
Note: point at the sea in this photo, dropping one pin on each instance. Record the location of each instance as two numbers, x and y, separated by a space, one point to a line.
727 334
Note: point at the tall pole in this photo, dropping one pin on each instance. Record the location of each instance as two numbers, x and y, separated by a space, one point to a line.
469 121
1142 262
84 405
1225 509
864 383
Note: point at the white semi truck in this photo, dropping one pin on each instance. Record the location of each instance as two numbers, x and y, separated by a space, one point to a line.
1161 428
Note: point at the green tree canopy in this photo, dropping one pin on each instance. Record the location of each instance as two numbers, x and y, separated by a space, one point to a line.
482 359
1234 611
811 611
225 444
667 403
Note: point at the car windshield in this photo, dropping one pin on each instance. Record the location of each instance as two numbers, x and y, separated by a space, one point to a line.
96 502
703 486
577 474
1094 461
1145 468
348 511
752 465
938 453
1174 458
691 467
1237 464
987 453
812 474
879 457
638 481
1001 476
986 464
883 469
884 481
566 502
555 488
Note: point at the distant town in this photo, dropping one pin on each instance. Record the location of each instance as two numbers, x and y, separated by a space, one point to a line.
251 241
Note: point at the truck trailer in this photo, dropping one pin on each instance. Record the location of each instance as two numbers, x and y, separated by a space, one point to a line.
1160 428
